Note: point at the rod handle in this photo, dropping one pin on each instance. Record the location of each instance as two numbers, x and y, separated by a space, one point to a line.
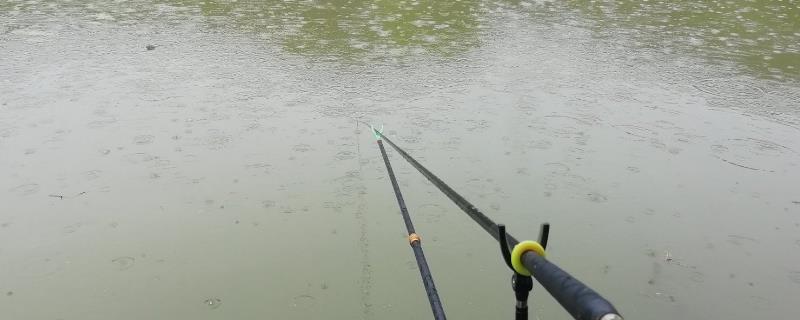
578 299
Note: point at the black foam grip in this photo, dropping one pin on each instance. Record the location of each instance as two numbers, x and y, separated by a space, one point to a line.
579 300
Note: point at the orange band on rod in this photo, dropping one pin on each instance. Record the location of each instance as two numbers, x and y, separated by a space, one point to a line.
413 237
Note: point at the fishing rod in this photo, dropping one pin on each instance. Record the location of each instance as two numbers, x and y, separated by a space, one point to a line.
526 259
415 241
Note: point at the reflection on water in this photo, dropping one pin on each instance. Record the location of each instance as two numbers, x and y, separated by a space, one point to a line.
352 29
339 28
761 37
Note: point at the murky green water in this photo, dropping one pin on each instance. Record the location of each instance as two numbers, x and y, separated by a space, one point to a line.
224 175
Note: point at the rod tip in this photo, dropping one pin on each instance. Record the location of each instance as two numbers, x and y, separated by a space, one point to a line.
377 132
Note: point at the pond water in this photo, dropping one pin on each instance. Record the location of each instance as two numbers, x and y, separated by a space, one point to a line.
208 159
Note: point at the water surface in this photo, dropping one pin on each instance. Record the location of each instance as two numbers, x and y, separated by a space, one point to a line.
224 174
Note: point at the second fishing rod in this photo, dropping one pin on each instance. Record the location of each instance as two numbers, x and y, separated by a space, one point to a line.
414 240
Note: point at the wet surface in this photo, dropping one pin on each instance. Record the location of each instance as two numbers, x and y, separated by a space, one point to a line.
160 157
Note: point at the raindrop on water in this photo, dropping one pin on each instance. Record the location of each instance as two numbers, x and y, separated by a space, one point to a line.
213 303
124 263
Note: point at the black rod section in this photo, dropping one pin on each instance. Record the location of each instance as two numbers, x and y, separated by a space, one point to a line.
424 271
472 211
578 299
